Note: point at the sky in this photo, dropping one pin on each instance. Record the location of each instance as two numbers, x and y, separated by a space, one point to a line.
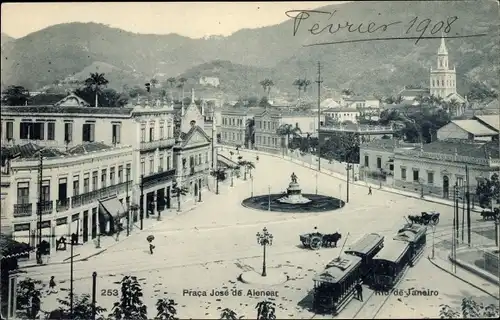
191 19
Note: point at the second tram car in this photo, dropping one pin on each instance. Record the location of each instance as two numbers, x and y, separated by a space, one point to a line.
335 286
366 248
389 264
416 236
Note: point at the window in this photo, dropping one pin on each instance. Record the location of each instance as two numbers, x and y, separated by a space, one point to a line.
94 180
168 162
120 174
199 158
68 132
115 133
88 131
151 165
430 177
23 192
143 133
86 184
104 176
367 163
151 134
51 130
143 166
128 172
206 157
379 163
169 130
403 173
160 164
45 191
162 131
9 134
112 176
460 181
415 175
38 131
76 185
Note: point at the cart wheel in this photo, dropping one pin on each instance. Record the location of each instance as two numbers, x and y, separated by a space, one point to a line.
304 243
316 243
436 221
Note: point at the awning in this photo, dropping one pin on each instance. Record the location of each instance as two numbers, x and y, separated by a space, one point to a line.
111 208
11 248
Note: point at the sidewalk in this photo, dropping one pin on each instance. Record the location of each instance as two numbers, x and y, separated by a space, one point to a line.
365 184
443 262
89 249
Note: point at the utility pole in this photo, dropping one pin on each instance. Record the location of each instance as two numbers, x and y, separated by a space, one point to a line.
94 289
39 208
142 202
463 213
73 242
213 133
347 169
456 210
467 194
127 199
319 81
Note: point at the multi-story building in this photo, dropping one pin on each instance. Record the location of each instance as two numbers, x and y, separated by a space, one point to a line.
193 151
268 122
80 191
147 127
234 124
342 114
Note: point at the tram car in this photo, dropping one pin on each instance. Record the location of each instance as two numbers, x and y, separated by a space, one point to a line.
366 248
336 285
390 264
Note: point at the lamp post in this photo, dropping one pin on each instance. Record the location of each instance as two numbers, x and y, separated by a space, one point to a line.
269 198
127 201
433 237
251 179
94 289
264 239
232 174
347 168
316 183
73 242
141 204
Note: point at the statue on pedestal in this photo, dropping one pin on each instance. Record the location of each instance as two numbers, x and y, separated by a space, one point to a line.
293 177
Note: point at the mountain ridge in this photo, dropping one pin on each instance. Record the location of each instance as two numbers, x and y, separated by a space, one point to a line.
269 52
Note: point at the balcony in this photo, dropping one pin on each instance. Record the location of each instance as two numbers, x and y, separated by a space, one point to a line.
46 207
92 196
23 210
157 144
62 205
158 177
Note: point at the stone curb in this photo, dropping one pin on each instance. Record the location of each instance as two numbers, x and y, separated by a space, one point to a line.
460 278
482 274
341 177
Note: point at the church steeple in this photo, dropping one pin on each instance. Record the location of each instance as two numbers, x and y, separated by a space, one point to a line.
442 48
442 55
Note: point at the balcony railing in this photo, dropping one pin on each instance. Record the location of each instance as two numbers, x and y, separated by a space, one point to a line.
62 205
92 196
23 210
158 177
46 207
157 144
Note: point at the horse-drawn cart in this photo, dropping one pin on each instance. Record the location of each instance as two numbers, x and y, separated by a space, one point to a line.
425 218
317 240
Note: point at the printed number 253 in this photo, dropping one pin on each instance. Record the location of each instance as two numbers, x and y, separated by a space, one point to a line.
109 292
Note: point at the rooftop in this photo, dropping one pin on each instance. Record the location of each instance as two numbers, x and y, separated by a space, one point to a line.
414 92
490 120
387 144
88 147
466 148
341 110
475 127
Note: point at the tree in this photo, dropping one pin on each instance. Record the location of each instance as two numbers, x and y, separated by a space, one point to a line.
166 309
28 291
136 91
264 103
179 191
347 92
228 314
469 309
153 82
250 133
220 175
130 306
181 83
248 165
479 92
266 310
109 97
171 83
95 82
305 83
487 190
15 96
82 308
287 130
299 83
266 85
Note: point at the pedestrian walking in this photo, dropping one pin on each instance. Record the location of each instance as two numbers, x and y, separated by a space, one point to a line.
369 190
52 285
257 158
119 228
151 247
359 292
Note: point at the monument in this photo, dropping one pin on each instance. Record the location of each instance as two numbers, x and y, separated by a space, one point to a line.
294 193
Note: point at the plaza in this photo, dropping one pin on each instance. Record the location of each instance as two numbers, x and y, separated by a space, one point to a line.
208 247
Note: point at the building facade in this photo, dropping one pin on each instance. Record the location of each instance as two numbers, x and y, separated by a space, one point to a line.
82 191
235 123
467 130
343 114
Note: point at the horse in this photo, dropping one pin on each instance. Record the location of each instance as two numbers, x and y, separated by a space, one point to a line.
414 219
329 239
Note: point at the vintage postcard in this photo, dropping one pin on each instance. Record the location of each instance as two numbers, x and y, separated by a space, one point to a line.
250 160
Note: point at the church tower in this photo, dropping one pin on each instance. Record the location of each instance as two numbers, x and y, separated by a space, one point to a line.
443 79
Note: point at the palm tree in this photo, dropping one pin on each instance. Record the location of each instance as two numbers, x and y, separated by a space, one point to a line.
182 81
171 83
270 84
153 82
299 83
452 106
179 191
347 92
250 133
306 83
248 165
220 175
266 310
287 130
228 314
95 82
166 309
264 84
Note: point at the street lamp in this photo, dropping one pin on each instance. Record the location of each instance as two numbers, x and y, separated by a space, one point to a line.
251 179
73 242
433 237
264 239
316 183
232 174
347 168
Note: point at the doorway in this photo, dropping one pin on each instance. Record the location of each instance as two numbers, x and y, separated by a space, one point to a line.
85 232
446 187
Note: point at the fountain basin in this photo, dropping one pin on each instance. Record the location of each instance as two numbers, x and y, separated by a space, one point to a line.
316 203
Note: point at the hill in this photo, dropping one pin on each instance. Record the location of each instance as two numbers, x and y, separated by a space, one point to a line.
4 38
244 58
